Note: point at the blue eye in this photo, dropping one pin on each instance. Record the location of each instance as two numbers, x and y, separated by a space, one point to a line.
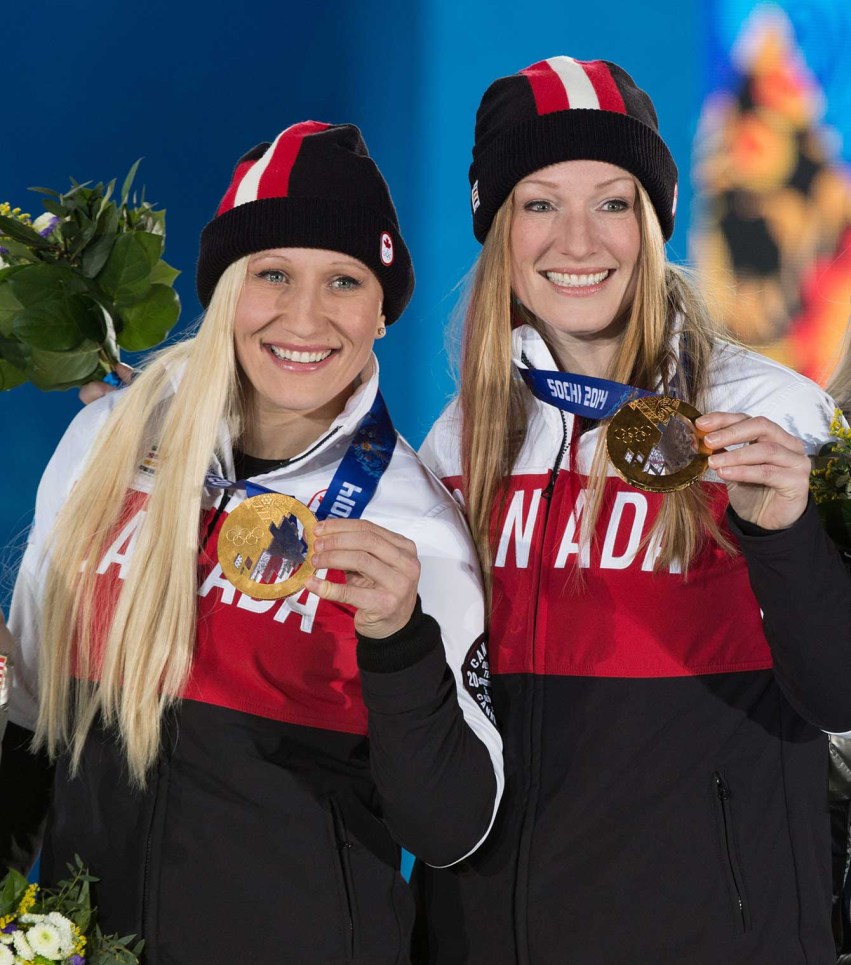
345 283
616 205
273 275
541 206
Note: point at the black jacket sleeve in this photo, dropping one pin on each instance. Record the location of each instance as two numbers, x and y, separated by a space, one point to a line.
435 776
26 780
804 591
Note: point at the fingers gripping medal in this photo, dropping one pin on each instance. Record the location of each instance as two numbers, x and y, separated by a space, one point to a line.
261 550
654 444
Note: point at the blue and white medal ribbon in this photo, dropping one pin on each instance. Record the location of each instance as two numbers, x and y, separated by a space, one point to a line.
582 395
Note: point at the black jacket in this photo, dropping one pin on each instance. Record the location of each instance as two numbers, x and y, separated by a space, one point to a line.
666 765
299 758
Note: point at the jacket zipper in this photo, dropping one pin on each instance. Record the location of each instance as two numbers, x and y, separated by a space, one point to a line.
723 792
551 485
343 849
147 914
312 449
533 740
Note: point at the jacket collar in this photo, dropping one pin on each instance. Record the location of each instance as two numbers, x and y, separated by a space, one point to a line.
342 428
527 342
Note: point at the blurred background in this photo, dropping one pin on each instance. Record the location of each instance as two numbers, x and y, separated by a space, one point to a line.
753 101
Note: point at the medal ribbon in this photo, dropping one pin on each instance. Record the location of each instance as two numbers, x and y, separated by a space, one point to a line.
358 474
582 395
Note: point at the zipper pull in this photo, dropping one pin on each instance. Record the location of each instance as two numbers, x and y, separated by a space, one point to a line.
551 485
721 788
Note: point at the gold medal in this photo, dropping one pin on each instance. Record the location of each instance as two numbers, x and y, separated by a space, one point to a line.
260 548
654 444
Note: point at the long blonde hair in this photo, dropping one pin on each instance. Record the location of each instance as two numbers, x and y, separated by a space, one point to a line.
666 312
130 659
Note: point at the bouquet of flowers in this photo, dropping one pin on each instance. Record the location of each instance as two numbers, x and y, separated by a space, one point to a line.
78 282
43 927
830 483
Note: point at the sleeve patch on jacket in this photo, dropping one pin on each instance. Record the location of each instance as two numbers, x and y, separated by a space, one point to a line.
476 675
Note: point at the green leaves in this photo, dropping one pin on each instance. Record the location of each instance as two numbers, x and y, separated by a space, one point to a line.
163 274
148 321
128 182
126 274
17 231
10 376
93 283
52 325
12 890
32 284
62 370
9 305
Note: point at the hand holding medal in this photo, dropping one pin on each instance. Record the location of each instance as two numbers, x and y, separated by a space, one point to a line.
767 476
382 573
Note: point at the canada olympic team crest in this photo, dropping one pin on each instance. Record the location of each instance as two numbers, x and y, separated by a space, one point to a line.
476 677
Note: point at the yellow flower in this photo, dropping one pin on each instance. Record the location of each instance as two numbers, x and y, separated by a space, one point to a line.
7 211
28 900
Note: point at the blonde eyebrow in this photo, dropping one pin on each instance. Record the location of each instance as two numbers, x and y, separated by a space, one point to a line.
556 187
344 261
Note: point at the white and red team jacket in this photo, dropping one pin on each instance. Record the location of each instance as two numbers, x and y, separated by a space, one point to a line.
299 758
665 756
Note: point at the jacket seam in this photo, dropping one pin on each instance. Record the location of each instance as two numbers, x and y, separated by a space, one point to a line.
783 711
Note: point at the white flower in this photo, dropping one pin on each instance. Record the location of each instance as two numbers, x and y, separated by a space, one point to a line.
58 923
6 956
44 939
22 946
65 929
45 224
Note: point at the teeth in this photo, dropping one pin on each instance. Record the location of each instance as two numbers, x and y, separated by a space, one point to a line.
576 281
287 356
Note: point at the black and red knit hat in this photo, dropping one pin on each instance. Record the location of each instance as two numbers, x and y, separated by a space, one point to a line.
314 186
563 109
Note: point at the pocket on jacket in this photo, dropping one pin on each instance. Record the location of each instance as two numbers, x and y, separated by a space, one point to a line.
730 864
345 881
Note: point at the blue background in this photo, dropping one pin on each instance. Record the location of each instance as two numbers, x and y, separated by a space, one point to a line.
87 88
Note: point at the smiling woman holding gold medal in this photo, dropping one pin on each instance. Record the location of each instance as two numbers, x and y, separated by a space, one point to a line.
218 620
669 624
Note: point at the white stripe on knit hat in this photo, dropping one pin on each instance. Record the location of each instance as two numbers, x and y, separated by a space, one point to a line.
580 90
248 187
